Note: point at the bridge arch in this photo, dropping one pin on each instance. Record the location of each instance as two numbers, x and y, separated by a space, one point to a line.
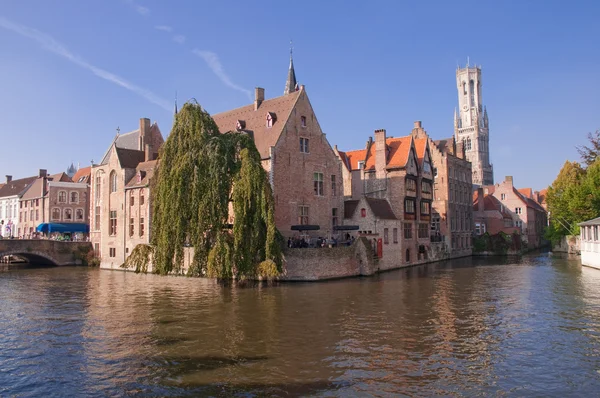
33 257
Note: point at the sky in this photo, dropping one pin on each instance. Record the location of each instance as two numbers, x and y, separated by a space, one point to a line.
73 71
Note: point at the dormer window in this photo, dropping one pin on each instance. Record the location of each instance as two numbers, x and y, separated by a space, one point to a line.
361 164
240 125
303 121
271 118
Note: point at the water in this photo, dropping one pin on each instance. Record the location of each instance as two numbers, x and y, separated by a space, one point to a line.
471 327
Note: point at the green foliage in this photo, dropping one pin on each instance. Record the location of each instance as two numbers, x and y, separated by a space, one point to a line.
202 173
86 255
140 257
499 243
572 198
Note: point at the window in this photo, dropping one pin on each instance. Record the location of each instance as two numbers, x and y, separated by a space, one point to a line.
333 186
409 206
303 215
427 167
334 216
411 185
113 181
97 249
518 210
502 196
131 200
112 225
519 223
97 188
595 232
68 215
97 218
361 164
62 197
363 212
131 227
37 215
74 197
425 208
303 121
37 202
423 231
426 187
464 88
270 120
386 238
318 181
435 223
407 230
395 235
56 214
112 252
472 90
25 216
479 228
31 215
468 144
304 145
141 200
141 227
79 214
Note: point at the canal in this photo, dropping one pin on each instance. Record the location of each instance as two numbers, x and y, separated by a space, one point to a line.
460 328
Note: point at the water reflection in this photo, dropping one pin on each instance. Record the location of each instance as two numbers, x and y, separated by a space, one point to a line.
465 327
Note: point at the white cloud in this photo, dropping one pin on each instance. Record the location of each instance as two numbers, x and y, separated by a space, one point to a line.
179 39
164 28
48 43
142 10
212 60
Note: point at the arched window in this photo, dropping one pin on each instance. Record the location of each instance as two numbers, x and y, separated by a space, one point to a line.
464 88
113 181
472 90
56 214
68 215
98 186
468 146
62 197
79 214
74 197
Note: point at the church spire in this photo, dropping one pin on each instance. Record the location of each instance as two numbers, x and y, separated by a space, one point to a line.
175 103
291 85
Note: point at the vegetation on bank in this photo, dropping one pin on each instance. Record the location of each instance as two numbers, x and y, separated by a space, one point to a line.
205 180
574 196
500 243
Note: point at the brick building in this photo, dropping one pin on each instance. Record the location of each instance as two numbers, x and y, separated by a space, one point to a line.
10 194
122 176
391 183
53 199
452 215
528 215
491 216
304 172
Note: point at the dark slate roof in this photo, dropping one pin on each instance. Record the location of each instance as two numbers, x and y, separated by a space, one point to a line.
130 158
381 208
290 84
16 187
144 172
350 208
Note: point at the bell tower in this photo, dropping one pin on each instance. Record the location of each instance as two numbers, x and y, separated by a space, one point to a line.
471 124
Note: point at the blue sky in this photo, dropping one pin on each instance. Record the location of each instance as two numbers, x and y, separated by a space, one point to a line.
72 71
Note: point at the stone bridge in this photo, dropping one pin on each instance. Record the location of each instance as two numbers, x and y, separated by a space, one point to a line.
41 251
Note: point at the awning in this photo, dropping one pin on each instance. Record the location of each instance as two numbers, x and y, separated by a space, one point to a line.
70 227
305 227
346 228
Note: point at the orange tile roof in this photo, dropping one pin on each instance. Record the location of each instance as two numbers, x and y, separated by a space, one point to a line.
82 172
421 146
527 192
356 156
399 150
491 203
255 121
542 196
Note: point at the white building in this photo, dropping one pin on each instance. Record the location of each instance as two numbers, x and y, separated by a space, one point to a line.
590 243
471 124
10 194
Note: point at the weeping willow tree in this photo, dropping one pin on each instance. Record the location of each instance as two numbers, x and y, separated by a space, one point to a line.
203 176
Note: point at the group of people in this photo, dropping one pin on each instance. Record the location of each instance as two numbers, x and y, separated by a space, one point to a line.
306 242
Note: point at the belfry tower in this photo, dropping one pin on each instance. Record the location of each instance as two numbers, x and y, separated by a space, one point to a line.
471 124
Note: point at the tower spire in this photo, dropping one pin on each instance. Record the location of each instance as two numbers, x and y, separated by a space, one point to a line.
175 102
291 83
455 118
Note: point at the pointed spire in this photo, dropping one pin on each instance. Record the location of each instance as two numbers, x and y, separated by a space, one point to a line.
485 117
455 118
291 85
175 102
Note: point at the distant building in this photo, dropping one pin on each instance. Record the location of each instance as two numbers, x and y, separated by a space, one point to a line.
304 172
471 124
10 194
54 199
120 178
71 170
491 216
590 242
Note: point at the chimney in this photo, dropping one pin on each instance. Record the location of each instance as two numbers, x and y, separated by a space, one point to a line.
42 173
259 97
418 124
144 132
8 179
380 153
148 155
480 204
509 180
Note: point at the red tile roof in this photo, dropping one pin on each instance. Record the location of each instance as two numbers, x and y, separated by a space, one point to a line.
491 203
356 156
421 146
255 121
380 207
398 150
527 192
542 196
83 172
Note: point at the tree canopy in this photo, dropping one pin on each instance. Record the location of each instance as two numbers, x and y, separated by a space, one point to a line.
590 153
204 181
